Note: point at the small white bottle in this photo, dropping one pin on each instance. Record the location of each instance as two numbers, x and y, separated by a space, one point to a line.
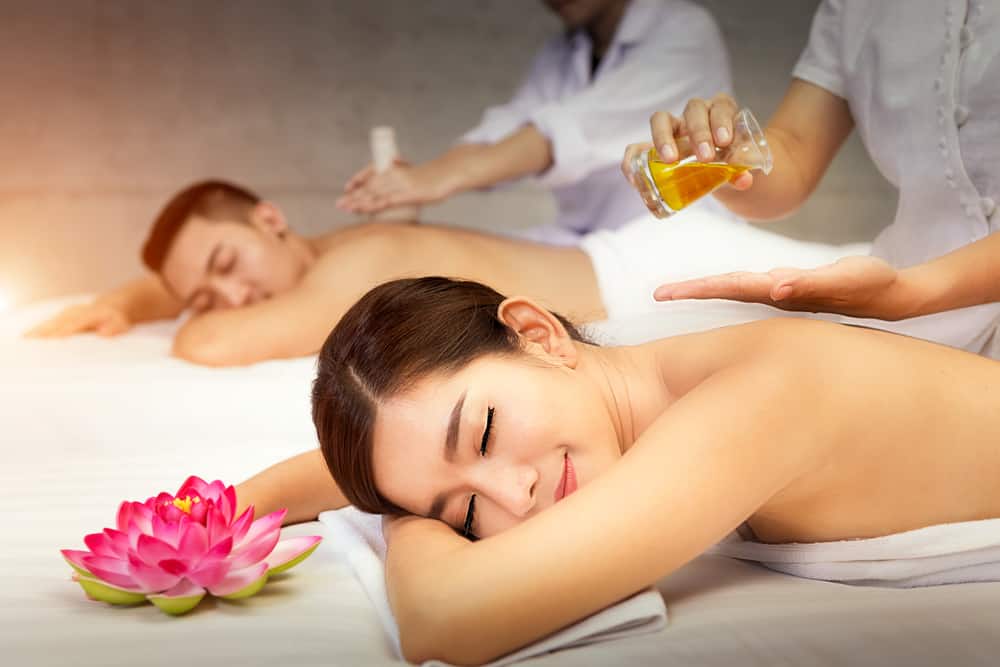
384 153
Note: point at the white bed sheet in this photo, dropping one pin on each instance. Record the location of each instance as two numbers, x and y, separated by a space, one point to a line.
86 422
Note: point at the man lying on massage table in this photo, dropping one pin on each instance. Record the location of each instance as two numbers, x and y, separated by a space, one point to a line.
257 290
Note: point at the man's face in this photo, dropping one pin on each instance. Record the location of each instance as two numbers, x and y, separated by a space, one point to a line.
229 264
577 13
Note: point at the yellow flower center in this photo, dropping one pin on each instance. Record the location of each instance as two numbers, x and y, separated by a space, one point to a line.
184 504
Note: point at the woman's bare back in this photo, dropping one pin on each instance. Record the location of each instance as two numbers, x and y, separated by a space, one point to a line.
917 444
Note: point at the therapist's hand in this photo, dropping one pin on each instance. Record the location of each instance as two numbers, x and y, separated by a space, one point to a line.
102 319
860 286
400 185
704 126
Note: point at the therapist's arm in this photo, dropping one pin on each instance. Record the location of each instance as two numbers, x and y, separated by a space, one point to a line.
468 166
804 134
863 286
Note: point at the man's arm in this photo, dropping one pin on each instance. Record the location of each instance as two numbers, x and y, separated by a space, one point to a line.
141 300
302 484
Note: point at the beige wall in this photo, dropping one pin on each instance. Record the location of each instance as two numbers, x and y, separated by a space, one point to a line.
108 106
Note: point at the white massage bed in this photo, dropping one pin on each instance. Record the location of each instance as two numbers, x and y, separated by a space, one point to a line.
86 423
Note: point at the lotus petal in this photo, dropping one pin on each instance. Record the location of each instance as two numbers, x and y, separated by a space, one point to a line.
193 542
239 584
99 590
112 571
241 526
258 543
209 575
216 526
180 599
150 578
75 559
118 540
153 550
290 552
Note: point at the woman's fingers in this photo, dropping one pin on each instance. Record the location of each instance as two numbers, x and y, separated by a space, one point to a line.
662 125
699 129
632 151
742 182
721 112
739 286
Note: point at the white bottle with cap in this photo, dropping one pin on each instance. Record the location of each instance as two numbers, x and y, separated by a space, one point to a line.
384 154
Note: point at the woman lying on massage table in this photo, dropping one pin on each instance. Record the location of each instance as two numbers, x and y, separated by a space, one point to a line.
589 473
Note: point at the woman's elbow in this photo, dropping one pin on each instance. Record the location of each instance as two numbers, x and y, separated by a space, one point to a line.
430 632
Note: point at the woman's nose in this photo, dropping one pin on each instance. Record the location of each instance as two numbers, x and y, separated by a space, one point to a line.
512 487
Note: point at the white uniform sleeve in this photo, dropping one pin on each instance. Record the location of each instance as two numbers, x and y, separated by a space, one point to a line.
499 121
683 58
821 62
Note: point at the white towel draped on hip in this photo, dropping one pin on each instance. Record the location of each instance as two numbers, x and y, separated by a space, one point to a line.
950 553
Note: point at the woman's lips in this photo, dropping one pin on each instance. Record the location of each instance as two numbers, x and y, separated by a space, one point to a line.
567 483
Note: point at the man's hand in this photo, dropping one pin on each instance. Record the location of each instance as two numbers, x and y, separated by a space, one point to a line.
102 319
400 185
859 286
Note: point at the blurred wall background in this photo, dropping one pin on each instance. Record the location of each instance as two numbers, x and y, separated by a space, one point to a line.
108 106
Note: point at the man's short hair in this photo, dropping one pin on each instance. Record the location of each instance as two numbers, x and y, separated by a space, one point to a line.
212 200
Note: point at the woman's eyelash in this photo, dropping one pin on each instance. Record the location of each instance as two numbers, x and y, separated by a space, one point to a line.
469 516
486 432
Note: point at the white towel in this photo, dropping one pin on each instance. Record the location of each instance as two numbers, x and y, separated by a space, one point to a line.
949 553
358 538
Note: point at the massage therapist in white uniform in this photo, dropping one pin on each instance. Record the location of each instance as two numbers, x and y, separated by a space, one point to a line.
920 79
588 93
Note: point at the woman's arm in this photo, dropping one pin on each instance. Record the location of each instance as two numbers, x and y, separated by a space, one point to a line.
302 484
687 482
804 134
862 286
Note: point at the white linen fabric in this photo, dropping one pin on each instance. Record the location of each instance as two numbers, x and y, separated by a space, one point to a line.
922 80
663 53
952 553
87 422
358 536
632 261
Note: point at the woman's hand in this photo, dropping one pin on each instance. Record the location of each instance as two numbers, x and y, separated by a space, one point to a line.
861 286
705 126
400 185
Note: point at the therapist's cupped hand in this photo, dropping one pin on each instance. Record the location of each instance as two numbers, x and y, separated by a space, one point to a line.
704 126
860 286
401 184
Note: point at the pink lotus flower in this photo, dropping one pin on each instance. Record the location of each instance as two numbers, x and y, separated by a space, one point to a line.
171 549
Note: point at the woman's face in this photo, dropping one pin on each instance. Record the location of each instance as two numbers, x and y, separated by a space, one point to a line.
514 433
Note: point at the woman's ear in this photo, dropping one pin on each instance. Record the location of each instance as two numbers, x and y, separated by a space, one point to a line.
540 331
267 217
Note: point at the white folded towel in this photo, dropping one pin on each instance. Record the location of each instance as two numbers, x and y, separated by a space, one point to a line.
358 538
949 553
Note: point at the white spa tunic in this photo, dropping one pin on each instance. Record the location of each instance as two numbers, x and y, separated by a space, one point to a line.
663 53
922 80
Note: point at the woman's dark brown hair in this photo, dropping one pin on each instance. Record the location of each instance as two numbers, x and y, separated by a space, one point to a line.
397 334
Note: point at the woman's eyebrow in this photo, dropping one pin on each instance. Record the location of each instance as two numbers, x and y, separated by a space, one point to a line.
450 451
451 439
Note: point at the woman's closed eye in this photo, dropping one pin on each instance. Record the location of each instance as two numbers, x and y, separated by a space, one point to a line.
470 514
